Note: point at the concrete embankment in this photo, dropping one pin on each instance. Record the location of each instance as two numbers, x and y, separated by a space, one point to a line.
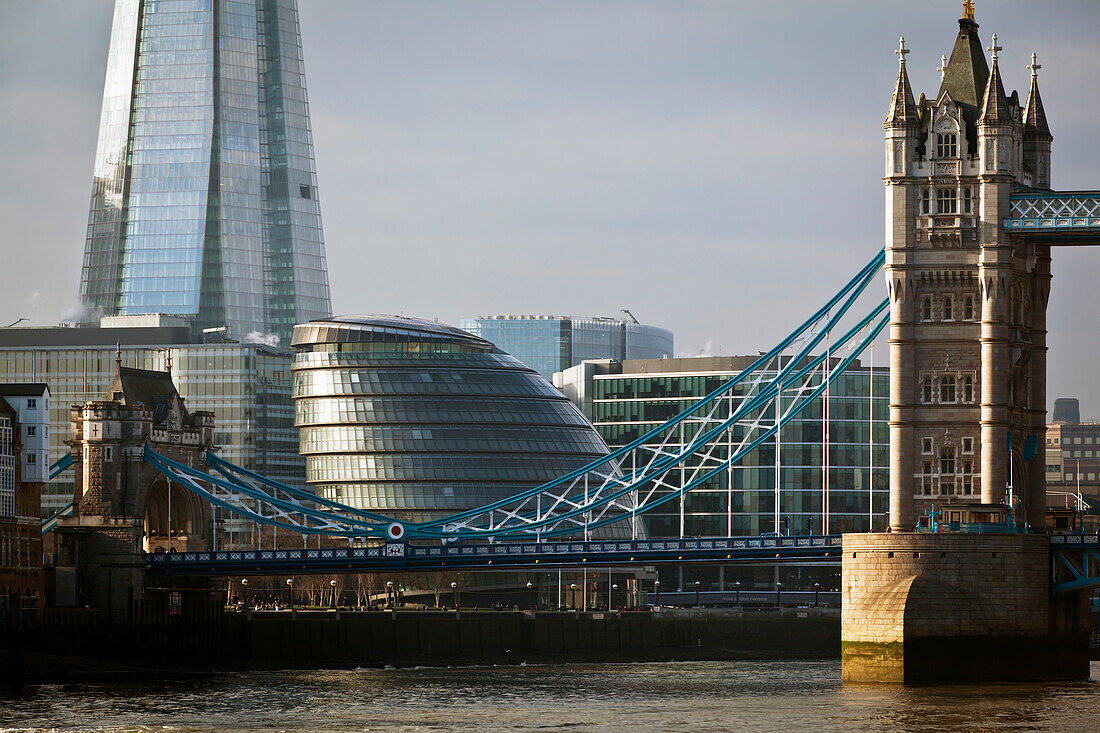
304 639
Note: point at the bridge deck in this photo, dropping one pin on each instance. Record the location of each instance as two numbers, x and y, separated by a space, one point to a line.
404 556
1056 217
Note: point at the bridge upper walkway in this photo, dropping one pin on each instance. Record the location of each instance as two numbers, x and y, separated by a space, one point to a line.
1055 217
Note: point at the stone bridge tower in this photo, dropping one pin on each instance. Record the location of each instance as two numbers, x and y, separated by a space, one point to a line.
968 303
122 506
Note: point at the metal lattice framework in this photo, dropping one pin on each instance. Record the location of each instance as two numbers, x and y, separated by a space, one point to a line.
1052 212
683 454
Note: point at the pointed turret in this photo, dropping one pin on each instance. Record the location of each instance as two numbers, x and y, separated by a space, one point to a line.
1035 119
903 110
965 74
995 108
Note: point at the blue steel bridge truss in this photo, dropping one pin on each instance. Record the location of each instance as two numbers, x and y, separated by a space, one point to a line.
681 455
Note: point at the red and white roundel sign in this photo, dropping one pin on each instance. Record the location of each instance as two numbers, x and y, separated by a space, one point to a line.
395 531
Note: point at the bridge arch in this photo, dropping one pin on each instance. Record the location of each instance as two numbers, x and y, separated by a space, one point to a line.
175 519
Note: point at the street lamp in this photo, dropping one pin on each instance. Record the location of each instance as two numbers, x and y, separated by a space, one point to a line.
737 588
697 593
333 584
290 592
531 585
389 589
573 594
657 593
817 589
611 600
778 597
454 592
244 591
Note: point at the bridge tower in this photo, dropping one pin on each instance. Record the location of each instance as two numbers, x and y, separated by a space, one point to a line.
122 506
968 302
967 396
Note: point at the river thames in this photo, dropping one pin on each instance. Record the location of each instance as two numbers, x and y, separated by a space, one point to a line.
676 696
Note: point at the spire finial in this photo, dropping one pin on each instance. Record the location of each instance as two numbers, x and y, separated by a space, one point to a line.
968 10
994 48
1034 66
118 353
902 50
942 68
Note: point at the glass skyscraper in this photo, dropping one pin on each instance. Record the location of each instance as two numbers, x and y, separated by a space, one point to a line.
549 344
204 199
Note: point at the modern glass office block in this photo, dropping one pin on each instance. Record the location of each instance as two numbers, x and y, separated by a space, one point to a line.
549 344
627 400
420 420
204 197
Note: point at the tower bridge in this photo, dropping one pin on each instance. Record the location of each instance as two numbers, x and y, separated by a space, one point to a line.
971 222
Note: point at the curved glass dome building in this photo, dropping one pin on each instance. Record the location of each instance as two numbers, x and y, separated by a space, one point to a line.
420 420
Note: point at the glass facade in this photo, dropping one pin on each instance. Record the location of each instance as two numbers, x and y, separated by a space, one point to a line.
626 405
204 198
420 420
549 344
246 386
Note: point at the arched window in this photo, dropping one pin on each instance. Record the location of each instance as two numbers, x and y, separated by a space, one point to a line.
924 199
968 389
947 389
926 391
968 478
926 309
947 470
968 201
947 201
946 145
968 308
948 308
927 482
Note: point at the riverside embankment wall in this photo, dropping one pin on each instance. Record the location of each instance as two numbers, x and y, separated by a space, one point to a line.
269 640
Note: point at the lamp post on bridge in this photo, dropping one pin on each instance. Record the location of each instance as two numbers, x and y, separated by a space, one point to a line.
332 583
389 591
290 593
778 594
454 593
817 589
244 591
737 590
657 593
535 605
611 598
573 595
697 593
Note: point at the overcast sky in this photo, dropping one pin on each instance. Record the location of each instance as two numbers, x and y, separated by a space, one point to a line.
715 167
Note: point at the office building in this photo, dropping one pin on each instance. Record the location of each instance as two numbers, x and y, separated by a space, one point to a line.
625 400
550 344
23 463
204 197
419 420
246 386
1073 462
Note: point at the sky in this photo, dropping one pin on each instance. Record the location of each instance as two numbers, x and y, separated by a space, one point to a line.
714 167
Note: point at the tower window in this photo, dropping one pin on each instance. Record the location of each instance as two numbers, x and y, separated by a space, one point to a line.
968 389
968 478
924 197
968 445
927 479
926 446
926 390
947 461
948 313
947 389
946 201
946 145
968 203
968 308
926 309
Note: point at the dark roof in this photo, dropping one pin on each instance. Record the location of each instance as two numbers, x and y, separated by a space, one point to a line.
903 111
153 389
994 103
967 71
57 336
1035 119
25 389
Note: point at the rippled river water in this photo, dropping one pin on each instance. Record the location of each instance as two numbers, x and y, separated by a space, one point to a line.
784 696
